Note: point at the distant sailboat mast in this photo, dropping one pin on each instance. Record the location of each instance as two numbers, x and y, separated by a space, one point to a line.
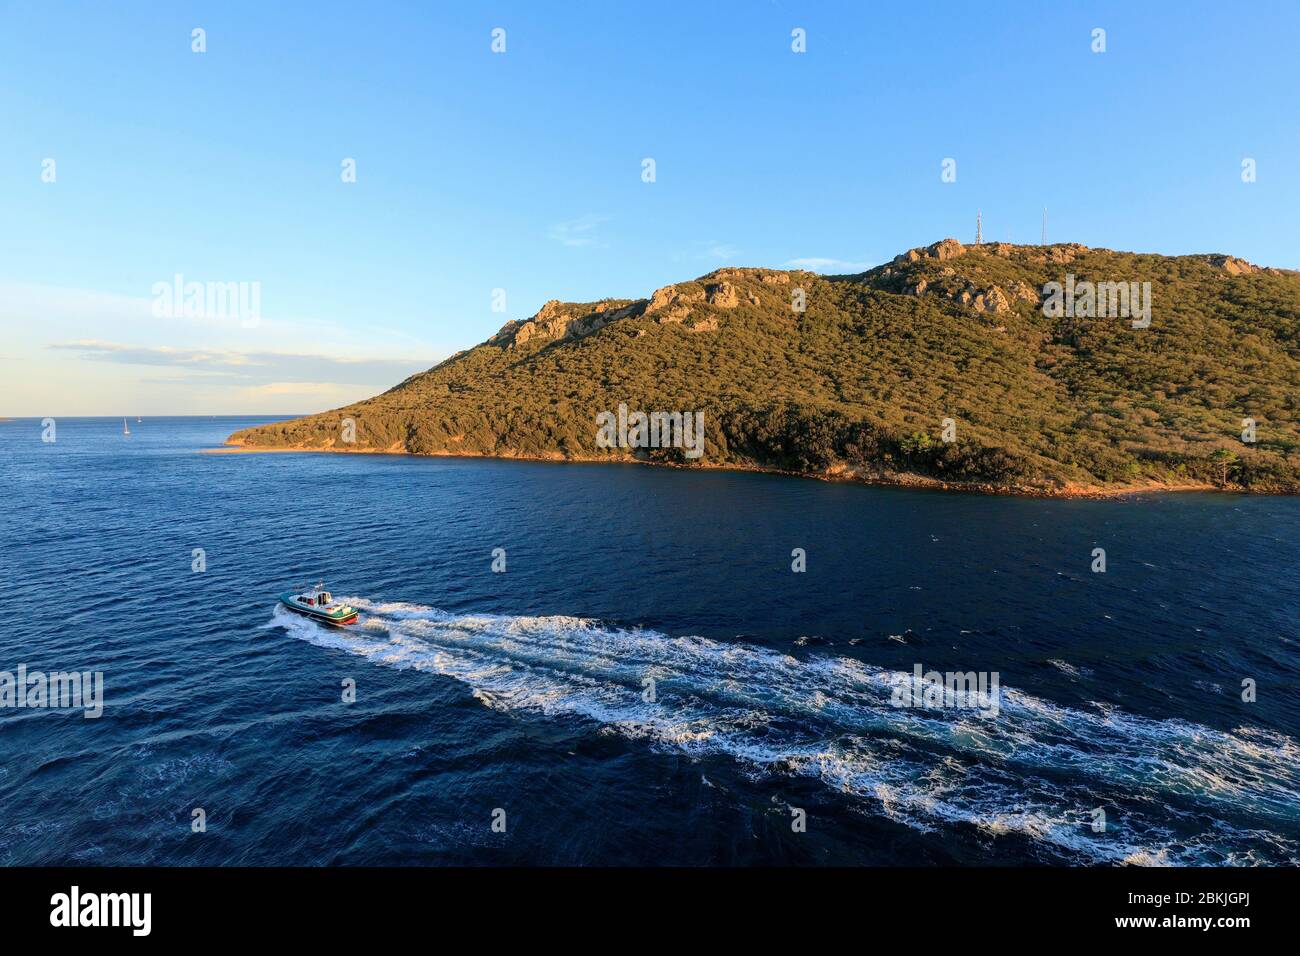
125 430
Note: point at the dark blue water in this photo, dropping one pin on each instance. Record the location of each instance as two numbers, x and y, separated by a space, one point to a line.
524 691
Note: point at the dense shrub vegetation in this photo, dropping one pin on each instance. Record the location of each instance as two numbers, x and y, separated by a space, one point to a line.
863 379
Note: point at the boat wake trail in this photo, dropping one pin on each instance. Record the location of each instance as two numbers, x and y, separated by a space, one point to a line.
1173 792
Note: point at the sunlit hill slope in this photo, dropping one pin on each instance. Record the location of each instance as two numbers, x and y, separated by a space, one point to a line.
859 383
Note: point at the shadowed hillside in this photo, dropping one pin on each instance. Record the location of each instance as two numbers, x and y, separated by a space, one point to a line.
860 382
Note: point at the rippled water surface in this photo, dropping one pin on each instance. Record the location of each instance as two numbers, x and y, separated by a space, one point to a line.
648 682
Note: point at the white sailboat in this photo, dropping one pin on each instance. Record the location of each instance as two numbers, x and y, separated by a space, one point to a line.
125 430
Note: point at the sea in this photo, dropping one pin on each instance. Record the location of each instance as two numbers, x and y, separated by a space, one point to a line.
614 664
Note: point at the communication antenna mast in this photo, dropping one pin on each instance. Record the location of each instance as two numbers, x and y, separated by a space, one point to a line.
979 228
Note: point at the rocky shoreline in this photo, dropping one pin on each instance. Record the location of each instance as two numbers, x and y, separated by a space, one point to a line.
835 474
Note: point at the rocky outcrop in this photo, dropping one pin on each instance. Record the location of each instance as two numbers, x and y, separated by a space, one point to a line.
1232 265
558 320
506 334
1059 254
734 274
723 295
942 250
1023 292
549 323
945 249
673 304
992 300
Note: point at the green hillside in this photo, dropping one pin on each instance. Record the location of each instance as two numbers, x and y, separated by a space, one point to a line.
859 384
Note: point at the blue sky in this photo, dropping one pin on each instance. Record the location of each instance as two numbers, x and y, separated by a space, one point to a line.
521 171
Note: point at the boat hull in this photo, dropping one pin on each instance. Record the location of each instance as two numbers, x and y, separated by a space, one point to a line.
334 620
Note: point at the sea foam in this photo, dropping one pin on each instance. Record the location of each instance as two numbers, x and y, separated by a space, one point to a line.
1037 770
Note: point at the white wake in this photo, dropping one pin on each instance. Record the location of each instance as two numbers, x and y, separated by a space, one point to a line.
1037 768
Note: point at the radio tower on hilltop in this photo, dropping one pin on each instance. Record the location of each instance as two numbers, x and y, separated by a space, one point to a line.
979 228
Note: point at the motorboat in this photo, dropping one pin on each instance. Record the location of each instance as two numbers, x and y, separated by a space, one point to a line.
319 605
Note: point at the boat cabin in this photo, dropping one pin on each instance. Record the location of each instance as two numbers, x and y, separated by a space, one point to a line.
317 597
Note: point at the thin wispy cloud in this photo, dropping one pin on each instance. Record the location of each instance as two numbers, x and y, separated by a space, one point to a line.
828 266
252 368
717 251
155 355
71 311
578 232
